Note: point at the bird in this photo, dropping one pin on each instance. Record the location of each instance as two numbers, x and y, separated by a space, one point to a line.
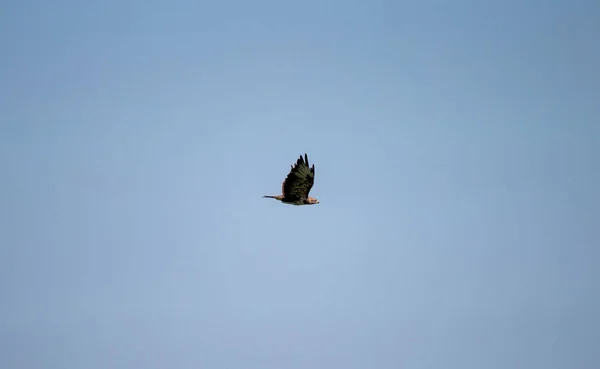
297 184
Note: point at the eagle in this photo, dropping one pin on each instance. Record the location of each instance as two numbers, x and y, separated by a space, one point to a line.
297 184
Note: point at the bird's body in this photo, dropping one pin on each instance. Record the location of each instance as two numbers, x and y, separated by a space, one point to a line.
297 184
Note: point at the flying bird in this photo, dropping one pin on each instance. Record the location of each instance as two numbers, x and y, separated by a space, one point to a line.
297 184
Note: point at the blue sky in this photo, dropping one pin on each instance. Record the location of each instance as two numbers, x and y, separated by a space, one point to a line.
455 144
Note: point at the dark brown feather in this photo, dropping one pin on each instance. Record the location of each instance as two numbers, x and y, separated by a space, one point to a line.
299 181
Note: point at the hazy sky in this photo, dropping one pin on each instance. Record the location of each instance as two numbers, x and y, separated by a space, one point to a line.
456 146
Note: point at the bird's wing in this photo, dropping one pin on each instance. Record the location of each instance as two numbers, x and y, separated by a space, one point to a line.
300 180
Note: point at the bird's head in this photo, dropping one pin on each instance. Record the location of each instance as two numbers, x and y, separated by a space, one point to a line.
312 201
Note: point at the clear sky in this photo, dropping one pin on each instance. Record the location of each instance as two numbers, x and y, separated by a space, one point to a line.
456 147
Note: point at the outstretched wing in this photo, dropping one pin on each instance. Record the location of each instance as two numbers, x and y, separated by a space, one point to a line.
299 181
